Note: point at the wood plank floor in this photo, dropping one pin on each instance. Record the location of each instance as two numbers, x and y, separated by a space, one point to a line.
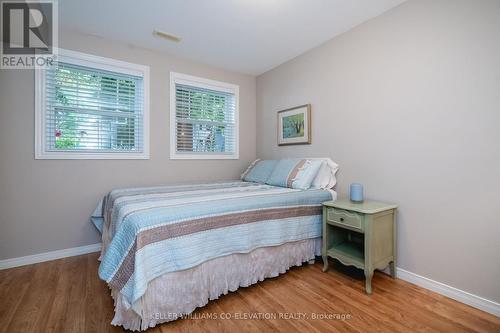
67 296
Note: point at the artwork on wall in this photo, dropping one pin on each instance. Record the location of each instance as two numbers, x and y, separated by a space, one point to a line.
294 126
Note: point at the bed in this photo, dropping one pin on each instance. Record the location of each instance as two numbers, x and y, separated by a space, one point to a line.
170 249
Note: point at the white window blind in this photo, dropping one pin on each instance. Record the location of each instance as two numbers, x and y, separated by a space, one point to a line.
205 121
91 110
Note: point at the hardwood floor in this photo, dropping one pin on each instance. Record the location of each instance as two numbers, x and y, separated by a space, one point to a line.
67 296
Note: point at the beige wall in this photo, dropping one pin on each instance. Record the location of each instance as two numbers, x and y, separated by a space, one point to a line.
45 204
409 105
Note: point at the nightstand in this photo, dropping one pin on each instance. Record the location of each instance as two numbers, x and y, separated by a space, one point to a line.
361 235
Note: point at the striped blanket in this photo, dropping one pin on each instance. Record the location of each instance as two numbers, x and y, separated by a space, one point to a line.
151 231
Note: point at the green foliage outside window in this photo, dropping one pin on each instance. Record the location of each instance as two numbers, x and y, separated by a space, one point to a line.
95 93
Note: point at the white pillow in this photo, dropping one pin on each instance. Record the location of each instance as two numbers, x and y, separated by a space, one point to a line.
325 179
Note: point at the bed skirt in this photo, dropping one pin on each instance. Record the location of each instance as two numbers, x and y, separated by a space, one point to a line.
175 294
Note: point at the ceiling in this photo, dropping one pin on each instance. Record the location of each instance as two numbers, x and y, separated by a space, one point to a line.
247 36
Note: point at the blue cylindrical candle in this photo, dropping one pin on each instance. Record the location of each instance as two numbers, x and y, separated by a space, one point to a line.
356 192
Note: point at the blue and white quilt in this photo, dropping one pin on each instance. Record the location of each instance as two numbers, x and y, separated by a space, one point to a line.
150 231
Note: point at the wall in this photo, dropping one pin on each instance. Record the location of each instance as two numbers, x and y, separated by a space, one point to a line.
408 104
45 204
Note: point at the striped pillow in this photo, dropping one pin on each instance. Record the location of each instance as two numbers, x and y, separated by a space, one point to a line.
294 173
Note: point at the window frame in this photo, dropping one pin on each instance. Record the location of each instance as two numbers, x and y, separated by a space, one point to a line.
96 62
205 84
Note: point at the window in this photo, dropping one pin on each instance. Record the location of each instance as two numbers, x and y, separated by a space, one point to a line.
89 107
203 118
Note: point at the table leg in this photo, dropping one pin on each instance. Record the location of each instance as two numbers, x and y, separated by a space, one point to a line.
368 283
392 267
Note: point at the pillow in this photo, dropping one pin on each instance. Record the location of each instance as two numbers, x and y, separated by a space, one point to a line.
259 171
294 173
307 174
325 179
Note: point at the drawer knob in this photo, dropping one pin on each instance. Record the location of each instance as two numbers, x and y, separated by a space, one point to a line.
341 219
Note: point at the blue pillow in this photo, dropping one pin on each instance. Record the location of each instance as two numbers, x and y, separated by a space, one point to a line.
285 171
259 171
294 173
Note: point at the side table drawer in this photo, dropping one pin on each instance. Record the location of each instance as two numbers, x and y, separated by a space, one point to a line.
345 218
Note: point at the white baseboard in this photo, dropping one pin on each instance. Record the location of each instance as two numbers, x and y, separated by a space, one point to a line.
451 292
52 255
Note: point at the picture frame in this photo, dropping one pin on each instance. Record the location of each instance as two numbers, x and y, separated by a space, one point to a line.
294 126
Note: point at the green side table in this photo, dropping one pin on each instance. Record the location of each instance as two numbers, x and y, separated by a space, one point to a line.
361 235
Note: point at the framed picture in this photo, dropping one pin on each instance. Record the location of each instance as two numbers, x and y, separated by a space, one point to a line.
294 126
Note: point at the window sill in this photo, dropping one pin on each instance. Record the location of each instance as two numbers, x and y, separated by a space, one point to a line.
176 156
90 156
